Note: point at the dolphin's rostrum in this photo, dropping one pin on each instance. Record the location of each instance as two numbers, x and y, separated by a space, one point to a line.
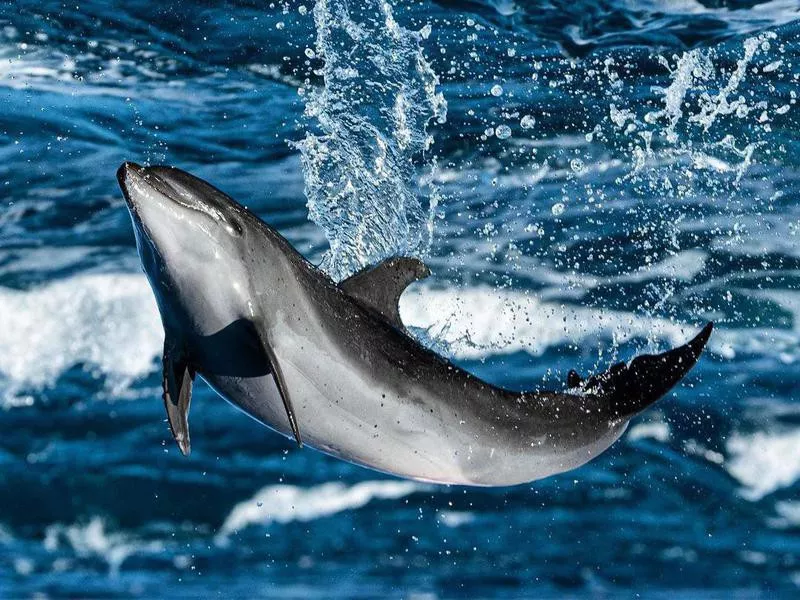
333 366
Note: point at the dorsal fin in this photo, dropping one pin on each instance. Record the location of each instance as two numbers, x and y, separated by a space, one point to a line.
379 287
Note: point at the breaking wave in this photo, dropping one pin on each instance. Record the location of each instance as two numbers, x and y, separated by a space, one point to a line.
764 461
108 324
286 503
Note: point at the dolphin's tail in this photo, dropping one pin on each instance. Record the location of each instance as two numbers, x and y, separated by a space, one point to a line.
628 389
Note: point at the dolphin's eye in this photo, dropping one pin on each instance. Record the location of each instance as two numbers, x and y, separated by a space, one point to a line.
234 227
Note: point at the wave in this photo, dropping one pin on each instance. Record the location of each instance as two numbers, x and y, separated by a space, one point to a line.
288 503
109 325
655 430
764 462
480 321
581 27
454 518
38 65
788 514
93 540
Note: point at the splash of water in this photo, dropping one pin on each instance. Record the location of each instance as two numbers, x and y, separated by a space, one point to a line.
697 139
690 101
692 68
372 116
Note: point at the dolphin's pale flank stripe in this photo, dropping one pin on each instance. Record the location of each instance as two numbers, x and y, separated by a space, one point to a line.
332 366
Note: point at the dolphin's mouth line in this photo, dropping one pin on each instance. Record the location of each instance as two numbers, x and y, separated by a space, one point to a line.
131 174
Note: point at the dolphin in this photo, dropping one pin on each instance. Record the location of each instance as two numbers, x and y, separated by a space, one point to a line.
332 366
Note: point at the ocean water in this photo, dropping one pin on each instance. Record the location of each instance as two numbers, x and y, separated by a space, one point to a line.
586 179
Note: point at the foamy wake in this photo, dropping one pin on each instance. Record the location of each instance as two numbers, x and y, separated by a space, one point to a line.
477 322
764 461
92 540
287 503
109 324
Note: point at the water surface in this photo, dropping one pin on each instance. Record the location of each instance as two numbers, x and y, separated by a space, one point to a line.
587 180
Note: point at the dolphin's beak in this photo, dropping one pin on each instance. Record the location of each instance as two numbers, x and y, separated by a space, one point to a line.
132 180
140 183
126 170
127 174
166 185
127 167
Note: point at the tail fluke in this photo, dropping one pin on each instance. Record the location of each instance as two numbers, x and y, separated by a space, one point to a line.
629 389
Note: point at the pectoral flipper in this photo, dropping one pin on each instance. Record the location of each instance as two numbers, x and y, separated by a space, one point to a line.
177 379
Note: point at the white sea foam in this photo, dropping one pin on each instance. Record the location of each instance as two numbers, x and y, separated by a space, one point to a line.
683 266
476 322
764 462
656 430
42 67
454 518
107 322
788 514
287 503
91 539
695 448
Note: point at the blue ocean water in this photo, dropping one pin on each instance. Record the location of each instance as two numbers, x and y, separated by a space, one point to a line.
586 179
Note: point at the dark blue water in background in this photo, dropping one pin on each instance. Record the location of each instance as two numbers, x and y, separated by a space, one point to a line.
610 175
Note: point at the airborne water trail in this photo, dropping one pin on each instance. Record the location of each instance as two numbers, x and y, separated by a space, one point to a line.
373 109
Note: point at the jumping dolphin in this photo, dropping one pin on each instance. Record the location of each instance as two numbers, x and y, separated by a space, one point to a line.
332 365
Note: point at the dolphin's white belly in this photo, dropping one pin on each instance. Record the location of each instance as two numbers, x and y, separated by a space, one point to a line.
334 417
347 409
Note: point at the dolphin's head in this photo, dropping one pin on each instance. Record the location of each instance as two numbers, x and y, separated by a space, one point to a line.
189 236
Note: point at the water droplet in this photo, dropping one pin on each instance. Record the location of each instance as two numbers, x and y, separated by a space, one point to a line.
558 209
503 132
497 90
527 122
577 166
